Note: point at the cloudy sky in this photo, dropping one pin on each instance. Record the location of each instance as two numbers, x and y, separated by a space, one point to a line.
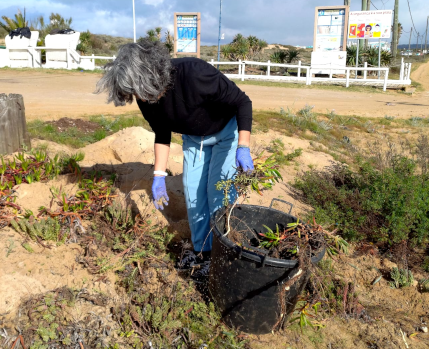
276 21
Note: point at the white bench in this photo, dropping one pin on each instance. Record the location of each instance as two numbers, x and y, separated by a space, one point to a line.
21 51
61 51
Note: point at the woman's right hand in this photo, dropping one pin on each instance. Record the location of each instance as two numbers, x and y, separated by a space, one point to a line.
159 192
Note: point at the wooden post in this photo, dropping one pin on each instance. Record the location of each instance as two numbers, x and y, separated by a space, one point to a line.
13 127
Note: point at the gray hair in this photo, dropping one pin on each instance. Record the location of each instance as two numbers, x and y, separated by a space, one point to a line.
143 69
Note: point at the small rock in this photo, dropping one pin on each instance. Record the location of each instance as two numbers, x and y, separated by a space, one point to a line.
415 283
424 329
388 264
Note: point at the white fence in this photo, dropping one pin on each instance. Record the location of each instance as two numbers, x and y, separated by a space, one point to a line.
343 77
71 58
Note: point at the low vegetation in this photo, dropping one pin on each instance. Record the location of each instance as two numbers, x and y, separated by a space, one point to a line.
79 133
384 200
244 48
167 313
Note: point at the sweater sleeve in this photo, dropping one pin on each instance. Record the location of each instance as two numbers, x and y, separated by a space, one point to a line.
161 130
216 87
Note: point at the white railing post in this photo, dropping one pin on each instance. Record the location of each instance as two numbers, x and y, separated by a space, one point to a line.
211 62
239 68
385 79
243 71
365 72
32 53
68 58
309 76
114 58
269 68
401 72
299 69
347 77
330 70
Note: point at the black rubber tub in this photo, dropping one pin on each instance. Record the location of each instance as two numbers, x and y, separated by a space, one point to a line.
245 284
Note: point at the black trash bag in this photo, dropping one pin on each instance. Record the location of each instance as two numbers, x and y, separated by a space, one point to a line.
21 32
61 31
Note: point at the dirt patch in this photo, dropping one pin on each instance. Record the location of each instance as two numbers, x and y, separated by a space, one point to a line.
25 273
63 124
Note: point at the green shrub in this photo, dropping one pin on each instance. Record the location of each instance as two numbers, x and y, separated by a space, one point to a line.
388 205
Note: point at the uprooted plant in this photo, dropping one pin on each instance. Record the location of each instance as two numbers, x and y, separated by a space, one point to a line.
285 242
300 239
264 176
60 319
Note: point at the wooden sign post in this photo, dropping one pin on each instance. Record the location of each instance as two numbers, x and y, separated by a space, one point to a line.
330 28
187 34
13 127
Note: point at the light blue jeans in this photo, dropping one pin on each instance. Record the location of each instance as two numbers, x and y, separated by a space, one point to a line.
207 160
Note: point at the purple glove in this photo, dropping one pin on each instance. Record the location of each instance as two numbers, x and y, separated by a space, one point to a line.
244 159
159 192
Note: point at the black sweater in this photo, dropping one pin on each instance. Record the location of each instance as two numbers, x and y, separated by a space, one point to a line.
201 102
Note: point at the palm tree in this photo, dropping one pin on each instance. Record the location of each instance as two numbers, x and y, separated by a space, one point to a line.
56 21
351 56
227 52
169 41
151 35
293 55
285 57
158 31
279 56
10 24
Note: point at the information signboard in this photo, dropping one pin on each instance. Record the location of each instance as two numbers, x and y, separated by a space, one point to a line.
370 24
187 34
330 28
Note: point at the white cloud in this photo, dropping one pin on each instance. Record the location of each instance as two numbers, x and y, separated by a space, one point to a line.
152 2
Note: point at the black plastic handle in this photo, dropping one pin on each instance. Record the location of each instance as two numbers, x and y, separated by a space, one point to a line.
285 202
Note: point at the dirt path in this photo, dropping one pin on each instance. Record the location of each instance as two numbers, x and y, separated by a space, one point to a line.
421 75
55 94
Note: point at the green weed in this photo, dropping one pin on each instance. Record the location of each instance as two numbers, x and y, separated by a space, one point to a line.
277 147
46 229
401 278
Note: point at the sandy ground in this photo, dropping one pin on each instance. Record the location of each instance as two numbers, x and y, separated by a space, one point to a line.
388 309
421 74
55 94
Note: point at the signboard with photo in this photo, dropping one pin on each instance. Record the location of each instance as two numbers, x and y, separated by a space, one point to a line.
330 28
187 34
370 24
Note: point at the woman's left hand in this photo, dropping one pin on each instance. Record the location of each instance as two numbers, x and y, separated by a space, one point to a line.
244 159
